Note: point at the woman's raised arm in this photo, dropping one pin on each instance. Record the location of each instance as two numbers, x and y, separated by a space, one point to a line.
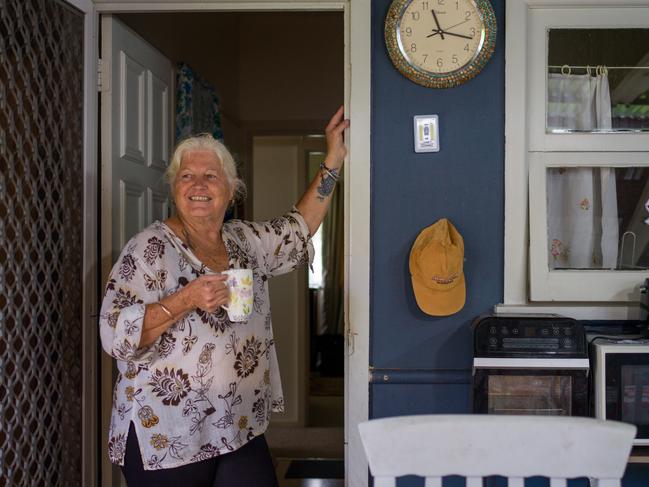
315 201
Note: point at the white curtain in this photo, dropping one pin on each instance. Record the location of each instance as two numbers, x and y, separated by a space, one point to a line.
582 202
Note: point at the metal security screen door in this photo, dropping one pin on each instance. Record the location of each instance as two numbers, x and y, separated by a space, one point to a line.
41 247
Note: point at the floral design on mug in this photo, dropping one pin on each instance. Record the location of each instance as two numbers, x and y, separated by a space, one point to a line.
240 282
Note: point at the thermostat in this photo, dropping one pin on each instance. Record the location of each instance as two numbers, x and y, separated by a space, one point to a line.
426 133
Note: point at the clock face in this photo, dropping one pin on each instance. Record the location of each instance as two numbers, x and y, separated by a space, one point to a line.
440 36
440 43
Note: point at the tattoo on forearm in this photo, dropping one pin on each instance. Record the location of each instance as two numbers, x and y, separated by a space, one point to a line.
326 187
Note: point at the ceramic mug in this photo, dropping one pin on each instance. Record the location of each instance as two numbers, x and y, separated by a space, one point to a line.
239 283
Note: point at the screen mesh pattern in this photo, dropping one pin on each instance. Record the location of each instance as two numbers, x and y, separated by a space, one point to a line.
41 252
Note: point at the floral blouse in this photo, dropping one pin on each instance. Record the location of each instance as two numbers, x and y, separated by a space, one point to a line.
207 386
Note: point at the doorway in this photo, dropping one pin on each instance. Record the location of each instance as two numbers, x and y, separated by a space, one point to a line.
301 85
314 428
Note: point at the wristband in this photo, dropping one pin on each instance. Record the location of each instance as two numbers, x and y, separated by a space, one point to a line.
166 310
333 173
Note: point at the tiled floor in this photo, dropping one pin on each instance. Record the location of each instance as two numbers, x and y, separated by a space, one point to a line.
282 466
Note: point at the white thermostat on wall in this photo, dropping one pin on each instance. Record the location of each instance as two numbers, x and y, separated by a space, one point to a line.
426 133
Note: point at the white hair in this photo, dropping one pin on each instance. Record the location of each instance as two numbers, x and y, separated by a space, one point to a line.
205 142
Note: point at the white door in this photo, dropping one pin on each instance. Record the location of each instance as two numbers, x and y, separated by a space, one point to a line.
279 179
136 124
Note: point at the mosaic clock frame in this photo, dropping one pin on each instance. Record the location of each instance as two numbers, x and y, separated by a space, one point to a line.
419 30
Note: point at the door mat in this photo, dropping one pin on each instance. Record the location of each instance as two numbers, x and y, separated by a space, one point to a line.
316 469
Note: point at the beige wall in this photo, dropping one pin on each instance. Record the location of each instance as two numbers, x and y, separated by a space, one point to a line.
291 65
280 170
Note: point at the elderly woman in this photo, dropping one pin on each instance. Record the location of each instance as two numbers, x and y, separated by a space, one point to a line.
195 391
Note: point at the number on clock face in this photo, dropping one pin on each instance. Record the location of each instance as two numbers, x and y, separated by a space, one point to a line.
440 36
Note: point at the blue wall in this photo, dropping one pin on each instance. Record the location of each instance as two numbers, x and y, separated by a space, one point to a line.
463 182
422 364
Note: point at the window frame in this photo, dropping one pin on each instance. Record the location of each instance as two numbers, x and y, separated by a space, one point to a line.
521 53
540 21
573 284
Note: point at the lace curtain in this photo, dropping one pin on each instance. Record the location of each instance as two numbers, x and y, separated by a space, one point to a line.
582 201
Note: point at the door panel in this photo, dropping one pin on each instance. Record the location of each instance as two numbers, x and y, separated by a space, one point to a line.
136 124
131 81
157 204
135 131
131 211
160 119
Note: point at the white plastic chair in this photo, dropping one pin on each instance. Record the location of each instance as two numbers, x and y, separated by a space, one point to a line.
477 446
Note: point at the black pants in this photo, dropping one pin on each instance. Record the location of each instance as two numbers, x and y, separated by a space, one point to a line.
250 465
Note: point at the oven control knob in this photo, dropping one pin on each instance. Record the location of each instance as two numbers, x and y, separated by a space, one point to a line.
504 331
567 331
493 341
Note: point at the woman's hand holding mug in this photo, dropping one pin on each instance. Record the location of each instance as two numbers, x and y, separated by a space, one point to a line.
231 290
208 292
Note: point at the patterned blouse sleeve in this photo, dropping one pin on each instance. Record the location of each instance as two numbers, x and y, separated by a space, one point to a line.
284 243
134 282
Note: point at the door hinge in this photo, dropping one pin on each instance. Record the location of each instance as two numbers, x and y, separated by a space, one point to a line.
103 75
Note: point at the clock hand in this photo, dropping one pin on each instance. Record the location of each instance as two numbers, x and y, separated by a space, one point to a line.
435 33
457 35
459 23
439 27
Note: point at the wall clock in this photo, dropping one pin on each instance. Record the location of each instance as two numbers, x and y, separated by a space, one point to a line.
440 43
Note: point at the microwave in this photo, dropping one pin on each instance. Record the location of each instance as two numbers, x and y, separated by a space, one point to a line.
620 382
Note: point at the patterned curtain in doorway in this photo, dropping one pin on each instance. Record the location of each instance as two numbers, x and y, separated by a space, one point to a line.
41 243
197 105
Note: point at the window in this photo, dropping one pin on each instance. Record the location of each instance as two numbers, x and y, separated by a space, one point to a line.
589 231
580 148
570 51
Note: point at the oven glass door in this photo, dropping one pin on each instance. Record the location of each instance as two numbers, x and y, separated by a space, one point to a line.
524 394
533 392
627 389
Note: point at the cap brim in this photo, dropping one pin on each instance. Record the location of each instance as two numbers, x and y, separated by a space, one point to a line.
440 303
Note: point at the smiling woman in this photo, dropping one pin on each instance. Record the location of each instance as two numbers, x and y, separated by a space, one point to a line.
195 384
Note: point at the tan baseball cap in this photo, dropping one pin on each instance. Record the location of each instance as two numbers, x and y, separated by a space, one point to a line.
437 269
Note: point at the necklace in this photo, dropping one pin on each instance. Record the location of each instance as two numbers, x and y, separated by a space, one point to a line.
214 256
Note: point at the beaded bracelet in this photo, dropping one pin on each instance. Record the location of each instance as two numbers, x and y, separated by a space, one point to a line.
166 310
333 173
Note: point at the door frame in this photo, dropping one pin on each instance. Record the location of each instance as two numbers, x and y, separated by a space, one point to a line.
90 259
357 33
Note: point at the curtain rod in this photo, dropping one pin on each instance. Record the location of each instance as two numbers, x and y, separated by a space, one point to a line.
595 67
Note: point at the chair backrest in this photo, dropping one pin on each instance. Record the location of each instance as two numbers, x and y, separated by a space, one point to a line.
476 446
